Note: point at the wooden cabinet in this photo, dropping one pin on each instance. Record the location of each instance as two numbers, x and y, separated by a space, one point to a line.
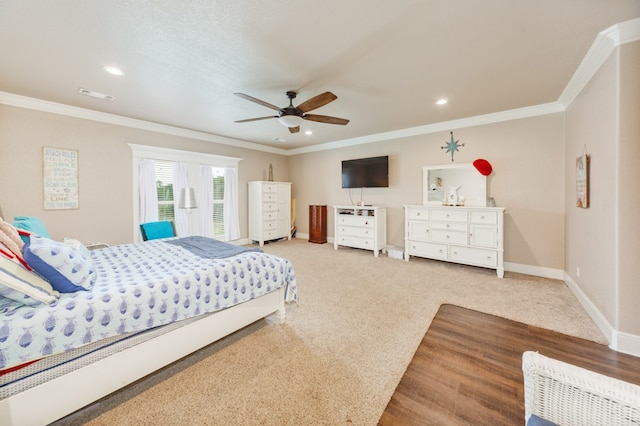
362 227
469 235
269 211
318 224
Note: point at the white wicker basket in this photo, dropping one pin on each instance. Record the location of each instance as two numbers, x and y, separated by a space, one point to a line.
569 395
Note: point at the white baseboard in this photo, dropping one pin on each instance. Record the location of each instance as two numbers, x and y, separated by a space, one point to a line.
618 341
538 271
591 309
627 343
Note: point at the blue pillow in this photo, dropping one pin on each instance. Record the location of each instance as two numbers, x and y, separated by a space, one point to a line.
161 229
539 421
31 224
66 268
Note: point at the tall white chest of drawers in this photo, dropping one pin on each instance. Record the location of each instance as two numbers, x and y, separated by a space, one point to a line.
362 227
468 235
269 211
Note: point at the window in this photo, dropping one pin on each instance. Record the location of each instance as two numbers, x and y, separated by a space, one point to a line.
218 202
164 187
167 203
207 219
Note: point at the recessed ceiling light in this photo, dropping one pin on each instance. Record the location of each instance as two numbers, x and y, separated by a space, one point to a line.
308 132
98 95
442 101
113 70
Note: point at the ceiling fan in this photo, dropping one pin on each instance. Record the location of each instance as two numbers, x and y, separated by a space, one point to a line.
291 116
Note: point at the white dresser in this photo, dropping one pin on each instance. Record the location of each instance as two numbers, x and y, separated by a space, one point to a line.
469 235
269 211
362 227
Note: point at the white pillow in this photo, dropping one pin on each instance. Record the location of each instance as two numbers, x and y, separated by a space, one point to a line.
16 283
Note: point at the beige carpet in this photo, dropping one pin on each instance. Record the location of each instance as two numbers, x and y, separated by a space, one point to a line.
342 350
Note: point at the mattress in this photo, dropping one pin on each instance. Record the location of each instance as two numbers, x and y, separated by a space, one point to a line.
140 286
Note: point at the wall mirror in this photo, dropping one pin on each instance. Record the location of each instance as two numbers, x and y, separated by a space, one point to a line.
437 179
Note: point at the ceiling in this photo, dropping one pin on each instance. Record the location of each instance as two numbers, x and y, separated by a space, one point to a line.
387 61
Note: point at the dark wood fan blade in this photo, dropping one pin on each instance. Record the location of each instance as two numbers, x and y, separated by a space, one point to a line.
294 129
317 101
258 101
246 120
325 119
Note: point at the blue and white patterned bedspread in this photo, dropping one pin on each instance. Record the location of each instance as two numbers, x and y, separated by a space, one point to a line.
140 286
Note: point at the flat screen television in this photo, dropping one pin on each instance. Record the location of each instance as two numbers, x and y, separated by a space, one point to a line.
370 172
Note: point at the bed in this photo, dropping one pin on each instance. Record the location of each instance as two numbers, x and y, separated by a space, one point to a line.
151 303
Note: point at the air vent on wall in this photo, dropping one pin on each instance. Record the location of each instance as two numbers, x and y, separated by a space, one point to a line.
98 95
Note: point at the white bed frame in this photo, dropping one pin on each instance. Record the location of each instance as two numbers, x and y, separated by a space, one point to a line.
70 392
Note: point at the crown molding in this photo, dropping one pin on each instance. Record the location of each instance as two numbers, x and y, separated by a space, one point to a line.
103 117
479 120
604 44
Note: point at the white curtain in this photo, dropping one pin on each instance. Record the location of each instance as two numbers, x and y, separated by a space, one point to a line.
147 191
206 201
180 181
231 222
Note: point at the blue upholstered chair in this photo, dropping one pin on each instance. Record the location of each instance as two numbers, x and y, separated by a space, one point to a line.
154 230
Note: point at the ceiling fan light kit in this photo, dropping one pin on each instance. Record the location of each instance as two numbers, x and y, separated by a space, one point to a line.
290 120
292 117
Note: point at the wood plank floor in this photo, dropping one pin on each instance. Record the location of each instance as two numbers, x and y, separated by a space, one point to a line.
468 369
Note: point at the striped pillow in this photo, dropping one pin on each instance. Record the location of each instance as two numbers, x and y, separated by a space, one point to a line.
23 286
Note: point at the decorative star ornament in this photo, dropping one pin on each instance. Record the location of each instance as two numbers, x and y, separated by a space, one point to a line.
452 146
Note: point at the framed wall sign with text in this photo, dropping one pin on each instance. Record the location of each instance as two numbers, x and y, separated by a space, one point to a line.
60 178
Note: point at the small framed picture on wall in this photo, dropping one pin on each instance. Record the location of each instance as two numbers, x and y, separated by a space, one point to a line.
582 181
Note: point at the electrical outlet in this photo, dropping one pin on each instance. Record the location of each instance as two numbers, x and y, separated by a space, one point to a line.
578 272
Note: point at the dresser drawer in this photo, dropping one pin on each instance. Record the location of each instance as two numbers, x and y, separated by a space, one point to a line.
269 188
431 250
357 242
355 231
449 226
269 225
474 256
270 234
353 220
483 217
418 214
449 215
449 237
269 215
270 206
